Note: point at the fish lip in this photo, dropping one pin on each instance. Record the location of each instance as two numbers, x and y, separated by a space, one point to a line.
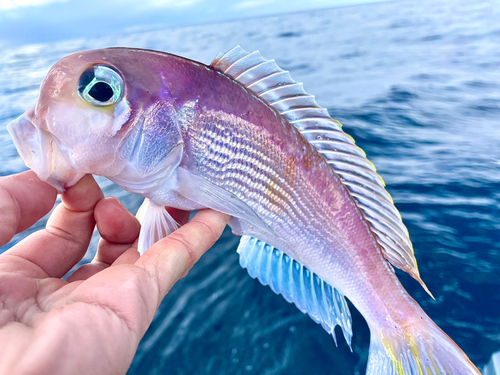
42 153
29 141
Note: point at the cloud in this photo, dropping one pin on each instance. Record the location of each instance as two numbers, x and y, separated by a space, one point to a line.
13 4
246 4
171 3
10 4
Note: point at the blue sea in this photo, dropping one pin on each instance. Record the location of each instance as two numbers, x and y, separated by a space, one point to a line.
417 84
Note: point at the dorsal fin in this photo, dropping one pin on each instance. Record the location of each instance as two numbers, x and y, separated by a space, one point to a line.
268 82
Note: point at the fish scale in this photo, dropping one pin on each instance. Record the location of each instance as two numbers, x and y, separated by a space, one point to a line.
296 211
246 179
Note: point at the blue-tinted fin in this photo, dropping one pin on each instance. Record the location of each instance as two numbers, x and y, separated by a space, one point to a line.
297 284
273 85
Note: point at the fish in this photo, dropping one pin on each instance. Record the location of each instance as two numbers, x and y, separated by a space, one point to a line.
240 136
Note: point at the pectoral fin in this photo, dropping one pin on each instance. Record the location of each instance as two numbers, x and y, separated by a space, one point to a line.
199 190
156 224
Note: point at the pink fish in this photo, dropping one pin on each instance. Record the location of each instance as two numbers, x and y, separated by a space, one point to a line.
241 137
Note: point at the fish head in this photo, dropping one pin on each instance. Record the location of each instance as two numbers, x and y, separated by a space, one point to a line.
89 117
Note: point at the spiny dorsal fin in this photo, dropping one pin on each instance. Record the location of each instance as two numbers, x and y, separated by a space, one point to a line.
267 81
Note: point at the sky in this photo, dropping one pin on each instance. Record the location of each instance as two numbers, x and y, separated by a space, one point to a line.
36 21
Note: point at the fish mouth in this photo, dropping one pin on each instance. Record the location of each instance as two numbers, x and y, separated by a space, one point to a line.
42 153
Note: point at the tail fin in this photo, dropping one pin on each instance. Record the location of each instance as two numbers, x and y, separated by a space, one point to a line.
416 350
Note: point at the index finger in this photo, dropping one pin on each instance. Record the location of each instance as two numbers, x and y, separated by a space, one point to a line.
24 199
171 258
67 235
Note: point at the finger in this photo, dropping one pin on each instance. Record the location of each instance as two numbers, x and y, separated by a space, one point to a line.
119 229
171 258
86 271
130 256
68 232
115 223
24 199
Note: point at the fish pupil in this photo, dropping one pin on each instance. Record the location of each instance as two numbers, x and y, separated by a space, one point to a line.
101 91
85 79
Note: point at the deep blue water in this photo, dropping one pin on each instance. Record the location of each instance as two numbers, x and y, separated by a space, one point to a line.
417 84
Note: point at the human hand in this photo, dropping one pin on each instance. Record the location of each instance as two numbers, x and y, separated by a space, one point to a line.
93 321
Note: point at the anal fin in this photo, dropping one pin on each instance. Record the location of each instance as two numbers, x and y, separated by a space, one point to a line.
156 224
297 284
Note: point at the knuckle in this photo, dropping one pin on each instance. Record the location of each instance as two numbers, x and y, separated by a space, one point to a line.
63 234
186 247
207 230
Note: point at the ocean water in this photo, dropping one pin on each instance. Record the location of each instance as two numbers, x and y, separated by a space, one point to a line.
417 84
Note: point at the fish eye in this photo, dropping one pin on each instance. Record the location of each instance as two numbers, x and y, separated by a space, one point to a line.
101 85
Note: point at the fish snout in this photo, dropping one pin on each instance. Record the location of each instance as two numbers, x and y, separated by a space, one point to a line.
42 154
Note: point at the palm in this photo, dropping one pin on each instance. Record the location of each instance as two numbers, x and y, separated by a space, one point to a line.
94 320
96 316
